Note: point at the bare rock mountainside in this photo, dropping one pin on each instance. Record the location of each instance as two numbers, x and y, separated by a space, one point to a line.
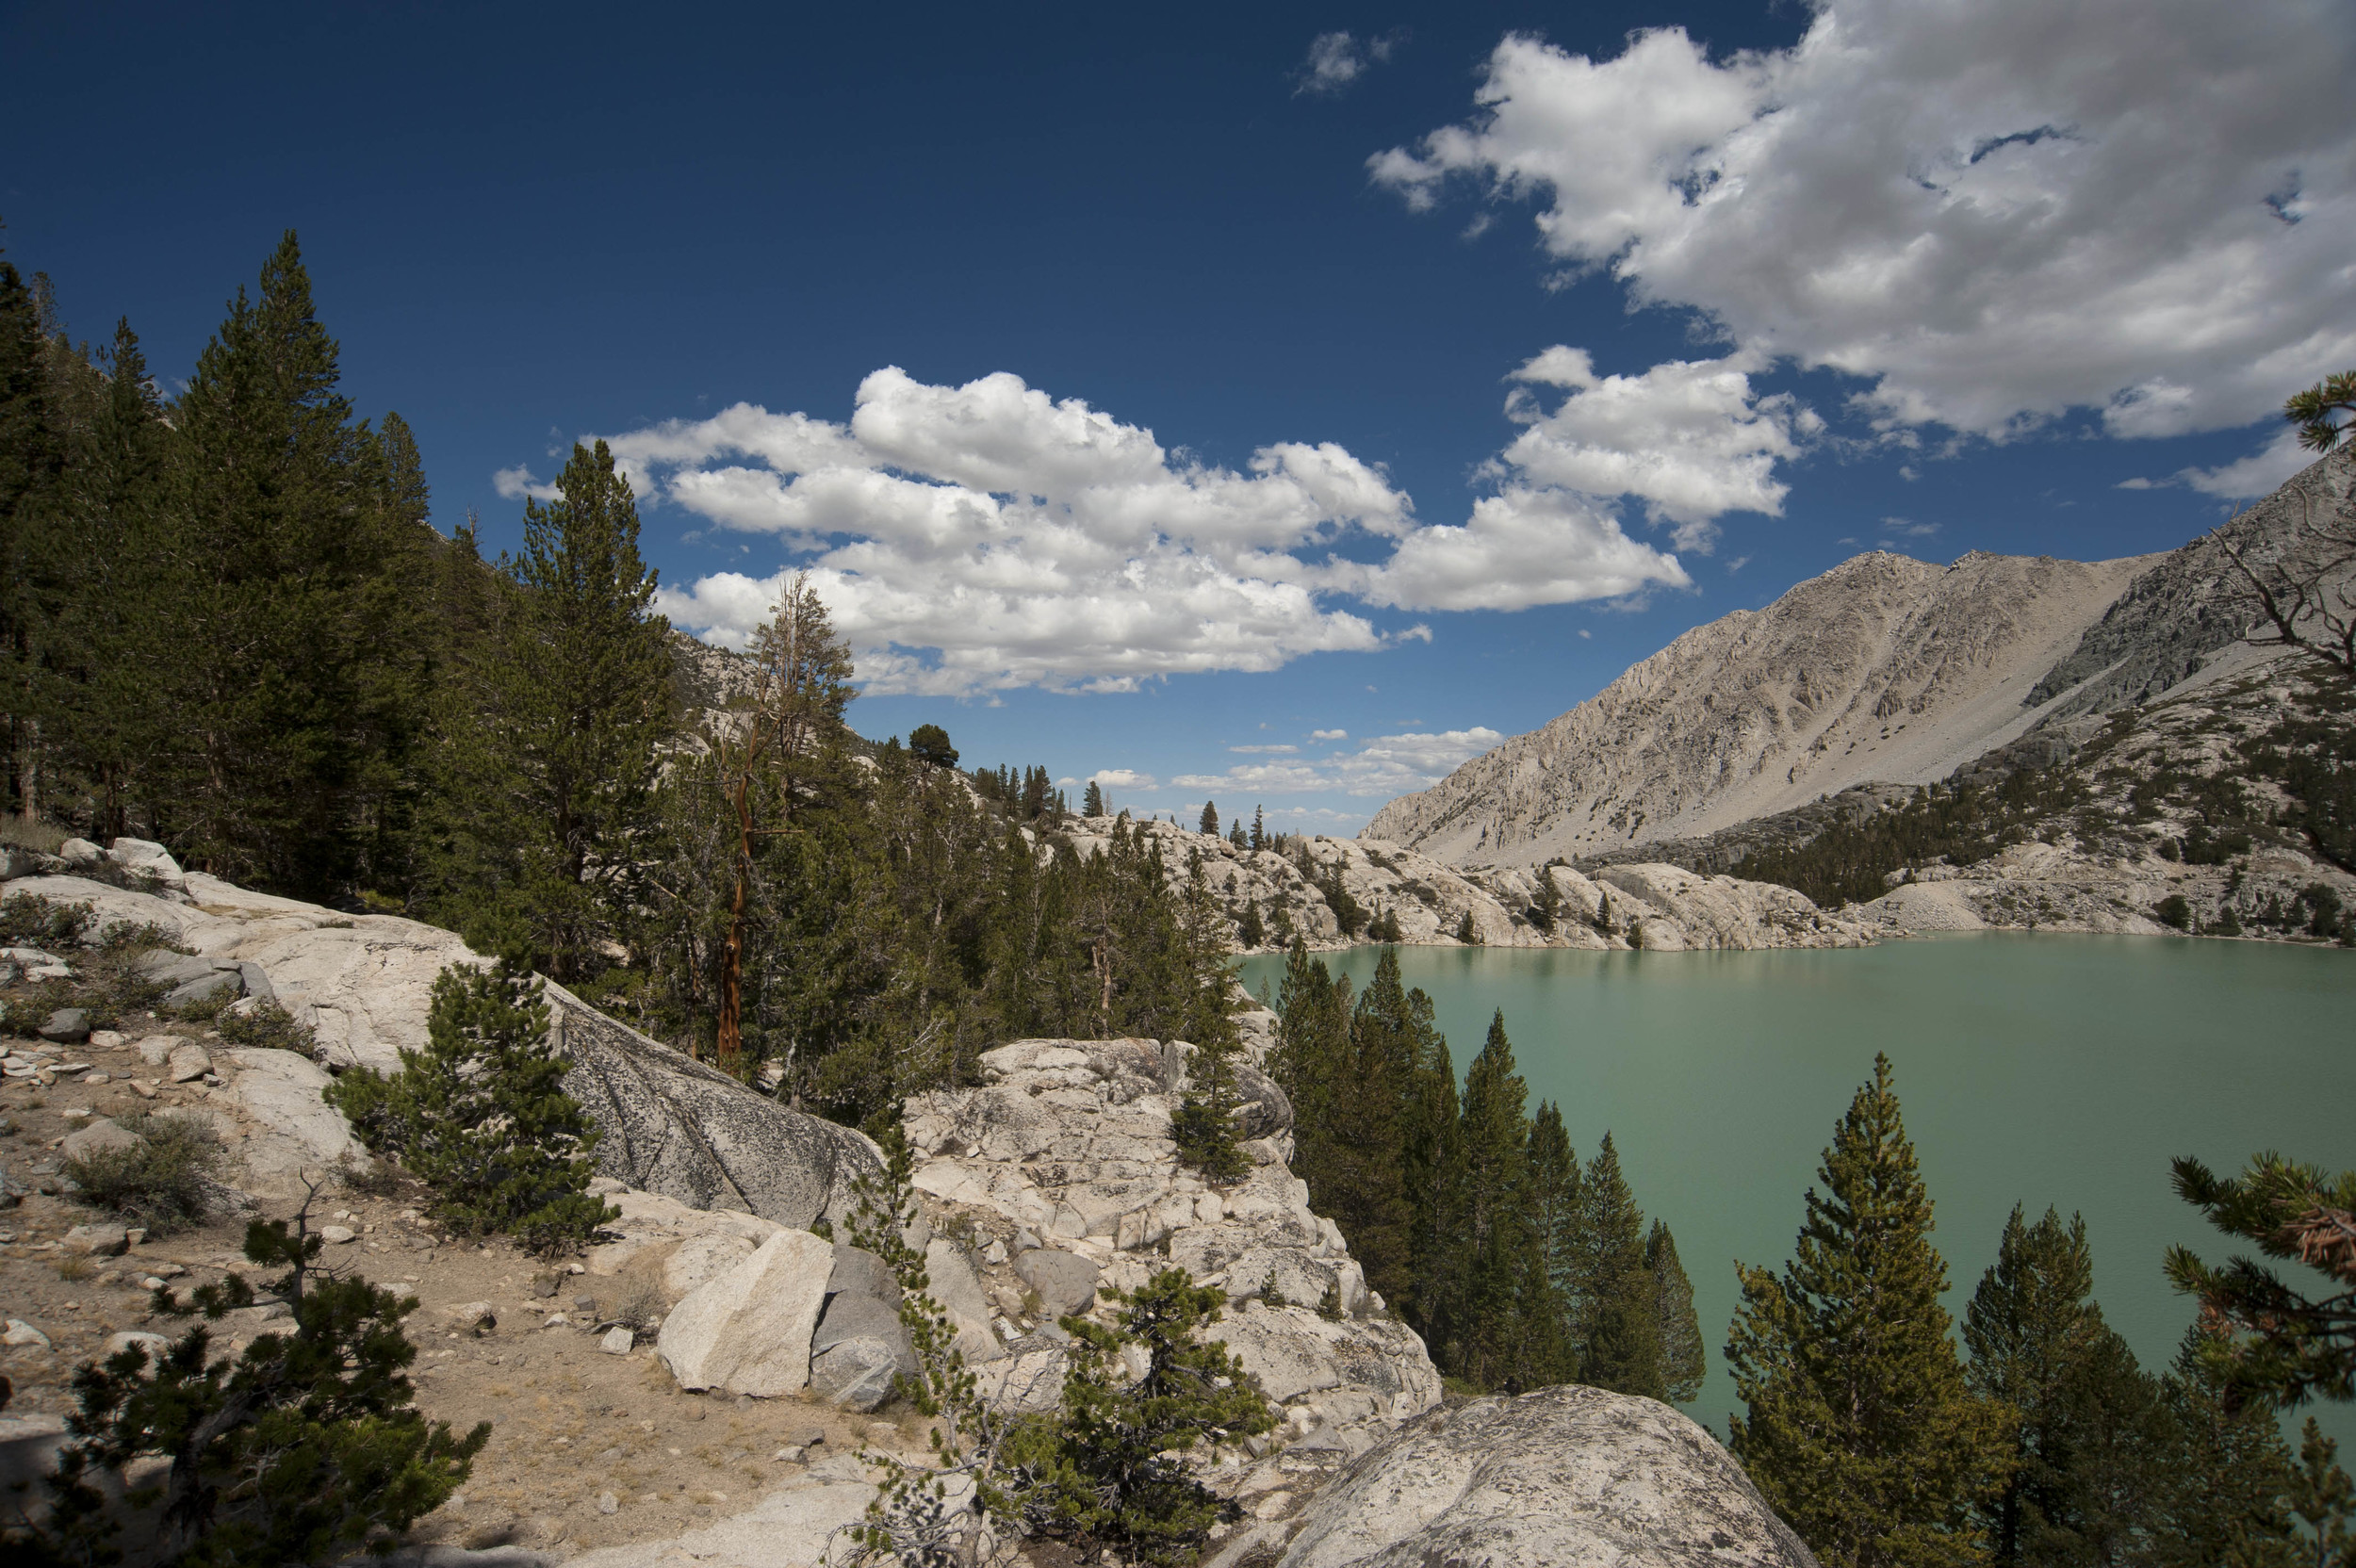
1306 892
1839 699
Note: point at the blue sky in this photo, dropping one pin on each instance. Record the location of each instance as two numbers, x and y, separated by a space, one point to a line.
1482 349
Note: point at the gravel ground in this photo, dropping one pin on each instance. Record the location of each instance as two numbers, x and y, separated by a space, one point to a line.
571 1424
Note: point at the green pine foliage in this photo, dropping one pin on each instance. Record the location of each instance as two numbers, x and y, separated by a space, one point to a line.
1493 1233
304 1447
549 729
1683 1358
1205 1123
1472 1217
2275 1343
1621 1335
213 626
2322 1502
2229 1476
481 1117
1111 1471
295 650
1860 1429
1557 1221
2088 1430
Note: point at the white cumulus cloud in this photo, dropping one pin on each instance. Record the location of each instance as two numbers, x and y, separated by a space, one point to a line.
1522 546
979 537
1337 59
1992 211
2261 473
1385 766
1687 437
516 484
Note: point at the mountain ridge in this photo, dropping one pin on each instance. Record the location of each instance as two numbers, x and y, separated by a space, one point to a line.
1884 672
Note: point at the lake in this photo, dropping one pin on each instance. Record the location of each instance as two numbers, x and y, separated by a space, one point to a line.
2037 1069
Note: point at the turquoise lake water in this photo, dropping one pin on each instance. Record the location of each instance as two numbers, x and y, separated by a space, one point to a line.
2037 1069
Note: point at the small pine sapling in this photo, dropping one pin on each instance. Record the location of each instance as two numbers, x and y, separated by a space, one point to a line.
481 1117
975 1494
1203 1126
1113 1475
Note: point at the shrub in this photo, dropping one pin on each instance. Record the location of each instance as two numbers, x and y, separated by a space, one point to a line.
163 1182
301 1449
2323 903
2173 911
266 1025
29 921
480 1114
43 838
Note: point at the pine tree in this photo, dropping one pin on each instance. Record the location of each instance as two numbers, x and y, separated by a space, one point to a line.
1205 1125
1621 1346
1496 1251
1557 1223
1369 1126
2083 1420
550 728
118 723
1677 1328
929 744
300 1448
291 603
2323 1501
1427 1287
1861 1431
1113 1476
1210 817
2229 1473
1259 831
481 1117
32 467
1467 932
1549 905
1092 800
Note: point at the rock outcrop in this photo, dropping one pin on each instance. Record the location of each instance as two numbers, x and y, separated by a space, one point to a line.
363 986
1430 900
1065 1149
2173 619
749 1329
1555 1479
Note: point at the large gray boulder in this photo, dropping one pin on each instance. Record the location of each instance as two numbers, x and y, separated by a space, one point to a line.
1066 1282
1560 1478
749 1330
292 1131
859 1344
686 1131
